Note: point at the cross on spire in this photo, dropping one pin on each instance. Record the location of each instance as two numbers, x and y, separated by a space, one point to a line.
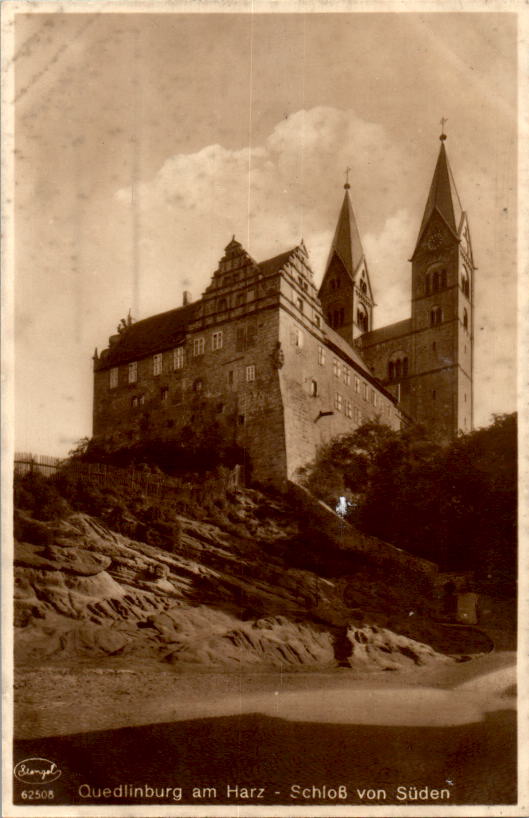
443 135
347 185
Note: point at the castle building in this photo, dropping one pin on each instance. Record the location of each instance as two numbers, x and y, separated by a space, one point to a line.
288 367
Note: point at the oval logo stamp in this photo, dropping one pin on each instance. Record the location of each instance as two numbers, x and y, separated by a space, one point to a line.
36 771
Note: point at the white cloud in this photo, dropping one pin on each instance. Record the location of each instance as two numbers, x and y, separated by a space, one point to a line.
269 195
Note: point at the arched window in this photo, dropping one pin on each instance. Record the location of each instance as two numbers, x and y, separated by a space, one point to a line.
363 286
465 319
436 281
397 366
436 316
362 319
465 285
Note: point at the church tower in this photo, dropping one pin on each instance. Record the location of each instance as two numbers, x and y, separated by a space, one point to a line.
345 292
442 310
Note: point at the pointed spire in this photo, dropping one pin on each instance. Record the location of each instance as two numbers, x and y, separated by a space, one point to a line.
443 196
346 243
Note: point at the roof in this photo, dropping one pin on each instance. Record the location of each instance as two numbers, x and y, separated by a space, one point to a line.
443 196
389 333
149 336
346 243
273 265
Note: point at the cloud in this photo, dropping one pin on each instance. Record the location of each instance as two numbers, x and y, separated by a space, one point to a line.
387 252
270 195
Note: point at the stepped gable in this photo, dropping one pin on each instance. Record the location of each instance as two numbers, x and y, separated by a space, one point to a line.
149 336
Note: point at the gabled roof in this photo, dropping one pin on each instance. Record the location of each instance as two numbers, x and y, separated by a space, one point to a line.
149 336
443 197
274 265
346 243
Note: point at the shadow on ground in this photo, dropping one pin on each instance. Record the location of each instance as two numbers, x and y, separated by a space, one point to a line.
476 762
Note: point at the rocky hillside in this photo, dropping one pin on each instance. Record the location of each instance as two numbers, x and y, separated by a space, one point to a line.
234 588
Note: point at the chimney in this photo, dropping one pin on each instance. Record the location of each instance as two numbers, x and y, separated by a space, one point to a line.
186 298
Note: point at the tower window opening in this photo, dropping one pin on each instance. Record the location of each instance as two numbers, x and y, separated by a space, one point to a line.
313 388
436 281
465 319
363 286
362 319
436 316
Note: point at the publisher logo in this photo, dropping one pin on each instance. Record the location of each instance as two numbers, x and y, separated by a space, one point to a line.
36 771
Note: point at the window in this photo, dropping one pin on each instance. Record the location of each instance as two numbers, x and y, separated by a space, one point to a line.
298 337
336 367
222 304
404 367
391 370
338 402
313 388
362 319
230 377
198 385
134 402
375 400
178 358
337 318
240 420
164 393
300 304
465 285
157 364
317 321
372 396
363 286
349 409
358 415
321 356
436 316
216 340
346 374
113 377
141 400
250 373
357 385
198 346
364 391
133 372
241 299
465 319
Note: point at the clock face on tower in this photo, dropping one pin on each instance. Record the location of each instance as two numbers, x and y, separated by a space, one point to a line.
435 240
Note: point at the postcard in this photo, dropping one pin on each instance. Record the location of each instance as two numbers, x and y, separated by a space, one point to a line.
264 420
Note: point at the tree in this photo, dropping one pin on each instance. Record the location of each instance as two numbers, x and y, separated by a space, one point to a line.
455 504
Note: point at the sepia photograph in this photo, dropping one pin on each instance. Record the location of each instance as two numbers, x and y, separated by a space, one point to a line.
260 506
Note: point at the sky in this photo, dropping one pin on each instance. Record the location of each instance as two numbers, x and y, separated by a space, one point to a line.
145 141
